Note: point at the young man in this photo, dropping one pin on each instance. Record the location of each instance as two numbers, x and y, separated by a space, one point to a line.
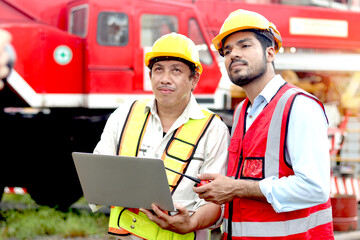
189 139
278 180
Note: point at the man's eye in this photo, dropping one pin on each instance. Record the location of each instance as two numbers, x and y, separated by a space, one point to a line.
227 52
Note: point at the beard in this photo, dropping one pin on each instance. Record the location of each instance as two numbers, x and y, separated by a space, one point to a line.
250 74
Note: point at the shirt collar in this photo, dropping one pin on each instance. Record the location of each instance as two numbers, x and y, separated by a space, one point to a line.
271 88
151 105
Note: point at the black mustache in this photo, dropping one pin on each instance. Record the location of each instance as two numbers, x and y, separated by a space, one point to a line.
237 61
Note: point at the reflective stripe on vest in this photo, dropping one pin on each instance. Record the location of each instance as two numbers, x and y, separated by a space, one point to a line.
294 223
129 144
182 146
274 134
177 155
279 229
236 117
140 226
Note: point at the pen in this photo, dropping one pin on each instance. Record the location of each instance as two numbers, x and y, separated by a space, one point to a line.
198 181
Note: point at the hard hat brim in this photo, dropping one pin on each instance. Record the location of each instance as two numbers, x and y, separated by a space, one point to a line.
151 55
218 40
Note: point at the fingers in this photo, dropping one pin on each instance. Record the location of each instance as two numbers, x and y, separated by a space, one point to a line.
181 209
207 176
218 191
159 212
147 212
155 214
202 192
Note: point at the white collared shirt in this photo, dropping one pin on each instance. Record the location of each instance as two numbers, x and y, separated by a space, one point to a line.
210 155
307 150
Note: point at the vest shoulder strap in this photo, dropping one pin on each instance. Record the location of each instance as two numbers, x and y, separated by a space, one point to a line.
181 147
129 144
236 116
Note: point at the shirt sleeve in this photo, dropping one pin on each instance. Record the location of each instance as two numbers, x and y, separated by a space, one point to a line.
111 133
216 150
307 146
216 156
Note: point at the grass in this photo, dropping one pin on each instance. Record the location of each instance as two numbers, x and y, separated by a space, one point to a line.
18 199
32 222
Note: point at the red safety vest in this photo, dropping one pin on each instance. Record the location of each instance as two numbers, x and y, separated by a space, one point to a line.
259 154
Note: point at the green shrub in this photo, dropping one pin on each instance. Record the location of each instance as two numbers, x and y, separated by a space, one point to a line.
38 221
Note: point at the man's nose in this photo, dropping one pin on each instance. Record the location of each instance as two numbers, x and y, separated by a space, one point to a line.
166 77
235 54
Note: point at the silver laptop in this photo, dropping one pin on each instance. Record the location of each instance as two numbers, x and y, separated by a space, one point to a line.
131 182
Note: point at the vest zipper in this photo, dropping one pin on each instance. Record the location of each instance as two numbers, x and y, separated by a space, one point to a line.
231 204
230 221
239 165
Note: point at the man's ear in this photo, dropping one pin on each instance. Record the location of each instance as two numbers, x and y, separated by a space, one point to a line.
194 81
270 54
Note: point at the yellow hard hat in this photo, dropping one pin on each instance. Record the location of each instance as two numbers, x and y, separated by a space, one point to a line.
175 45
242 20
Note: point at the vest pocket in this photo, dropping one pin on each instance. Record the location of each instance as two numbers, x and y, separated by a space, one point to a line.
180 150
253 168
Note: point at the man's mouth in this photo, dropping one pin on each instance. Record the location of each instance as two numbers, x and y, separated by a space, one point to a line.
237 64
165 90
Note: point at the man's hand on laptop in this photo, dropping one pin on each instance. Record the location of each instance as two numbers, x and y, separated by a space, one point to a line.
179 223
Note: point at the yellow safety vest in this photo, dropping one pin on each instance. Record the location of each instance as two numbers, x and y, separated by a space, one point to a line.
177 155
